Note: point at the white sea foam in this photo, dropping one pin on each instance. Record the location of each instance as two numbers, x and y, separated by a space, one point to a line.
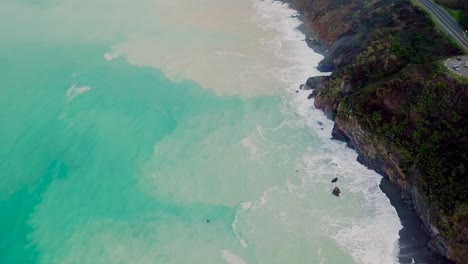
247 143
112 55
236 233
320 257
371 238
108 56
74 91
288 44
262 201
231 258
249 206
246 205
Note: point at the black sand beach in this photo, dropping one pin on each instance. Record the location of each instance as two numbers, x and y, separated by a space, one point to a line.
413 238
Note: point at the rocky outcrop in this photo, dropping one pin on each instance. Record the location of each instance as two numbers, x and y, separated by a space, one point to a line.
336 191
372 154
394 103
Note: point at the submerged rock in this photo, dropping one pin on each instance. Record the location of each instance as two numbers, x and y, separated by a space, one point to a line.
336 192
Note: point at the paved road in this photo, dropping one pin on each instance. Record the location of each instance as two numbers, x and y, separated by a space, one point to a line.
446 22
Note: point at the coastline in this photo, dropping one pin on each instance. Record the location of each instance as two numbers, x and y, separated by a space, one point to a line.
311 39
413 238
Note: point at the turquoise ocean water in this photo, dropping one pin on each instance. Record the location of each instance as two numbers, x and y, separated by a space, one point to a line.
139 132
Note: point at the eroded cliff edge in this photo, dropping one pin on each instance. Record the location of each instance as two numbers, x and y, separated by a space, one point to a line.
395 102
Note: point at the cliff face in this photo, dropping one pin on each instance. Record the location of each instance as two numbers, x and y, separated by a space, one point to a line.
398 106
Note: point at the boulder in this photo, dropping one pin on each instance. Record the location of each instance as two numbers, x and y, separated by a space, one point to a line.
335 180
336 192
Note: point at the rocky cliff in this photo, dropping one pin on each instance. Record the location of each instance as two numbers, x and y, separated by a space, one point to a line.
395 102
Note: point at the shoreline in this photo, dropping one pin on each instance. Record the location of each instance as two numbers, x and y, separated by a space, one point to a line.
413 238
311 39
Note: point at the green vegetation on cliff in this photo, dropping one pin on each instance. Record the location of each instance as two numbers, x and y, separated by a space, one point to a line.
397 88
419 112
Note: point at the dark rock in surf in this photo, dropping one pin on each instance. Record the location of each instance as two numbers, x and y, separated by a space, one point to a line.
336 192
334 180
